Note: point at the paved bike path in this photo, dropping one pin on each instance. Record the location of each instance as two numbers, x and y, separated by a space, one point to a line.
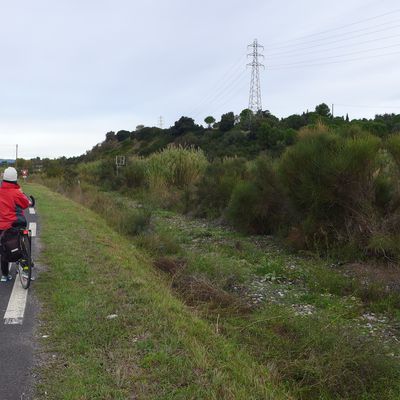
17 335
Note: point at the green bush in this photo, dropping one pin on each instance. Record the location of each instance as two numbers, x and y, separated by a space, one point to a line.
385 244
393 146
158 243
134 221
258 205
330 182
99 172
242 208
69 177
216 186
88 171
134 173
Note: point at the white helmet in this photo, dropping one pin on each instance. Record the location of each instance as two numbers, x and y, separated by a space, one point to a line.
10 174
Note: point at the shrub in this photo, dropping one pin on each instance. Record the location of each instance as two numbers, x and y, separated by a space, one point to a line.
385 244
258 205
89 171
217 183
330 182
100 172
393 146
242 210
158 243
134 174
69 177
134 222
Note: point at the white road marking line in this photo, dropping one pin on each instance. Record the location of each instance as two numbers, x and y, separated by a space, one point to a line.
32 228
14 314
32 210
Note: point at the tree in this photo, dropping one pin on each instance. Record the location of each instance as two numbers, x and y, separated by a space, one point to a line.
122 135
110 136
323 110
139 127
347 118
209 121
295 121
245 119
184 125
227 122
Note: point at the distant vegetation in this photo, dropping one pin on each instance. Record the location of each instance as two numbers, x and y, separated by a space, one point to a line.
322 183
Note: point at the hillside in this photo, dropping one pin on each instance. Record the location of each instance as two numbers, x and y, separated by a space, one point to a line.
245 135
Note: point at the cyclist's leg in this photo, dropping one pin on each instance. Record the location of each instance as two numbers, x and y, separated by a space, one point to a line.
5 271
4 266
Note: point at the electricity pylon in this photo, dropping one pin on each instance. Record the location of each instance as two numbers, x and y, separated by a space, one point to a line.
255 88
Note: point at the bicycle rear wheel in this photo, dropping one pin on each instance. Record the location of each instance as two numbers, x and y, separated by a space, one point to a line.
24 265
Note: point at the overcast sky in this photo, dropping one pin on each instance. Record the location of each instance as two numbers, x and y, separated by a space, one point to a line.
72 70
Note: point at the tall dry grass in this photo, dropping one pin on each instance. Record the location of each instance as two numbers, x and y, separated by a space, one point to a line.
175 167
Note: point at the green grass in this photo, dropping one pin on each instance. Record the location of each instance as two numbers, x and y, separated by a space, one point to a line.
327 354
154 349
217 351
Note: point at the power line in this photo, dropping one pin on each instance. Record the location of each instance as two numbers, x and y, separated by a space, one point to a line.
223 92
343 55
238 89
238 86
290 53
296 65
339 28
338 40
346 33
219 85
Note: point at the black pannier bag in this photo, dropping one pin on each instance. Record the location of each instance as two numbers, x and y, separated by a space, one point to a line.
10 245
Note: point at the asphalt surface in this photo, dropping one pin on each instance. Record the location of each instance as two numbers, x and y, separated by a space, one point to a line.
17 340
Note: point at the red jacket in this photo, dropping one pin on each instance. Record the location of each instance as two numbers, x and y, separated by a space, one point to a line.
12 203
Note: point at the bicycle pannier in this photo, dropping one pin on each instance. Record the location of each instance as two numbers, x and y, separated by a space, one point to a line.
10 245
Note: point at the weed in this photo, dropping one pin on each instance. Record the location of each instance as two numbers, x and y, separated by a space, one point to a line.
134 222
319 358
169 265
158 243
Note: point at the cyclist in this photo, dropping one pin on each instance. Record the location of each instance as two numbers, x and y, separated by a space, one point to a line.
12 203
